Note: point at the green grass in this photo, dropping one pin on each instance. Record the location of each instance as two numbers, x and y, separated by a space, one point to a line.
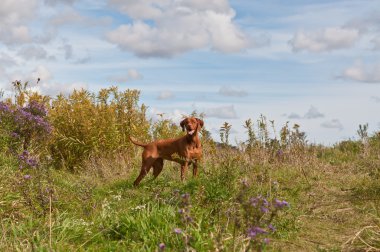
334 197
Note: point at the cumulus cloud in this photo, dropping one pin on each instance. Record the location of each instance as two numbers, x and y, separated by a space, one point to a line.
369 73
71 16
14 15
34 52
157 114
223 112
165 95
312 113
41 72
294 116
132 74
228 91
55 2
178 27
328 39
332 124
47 85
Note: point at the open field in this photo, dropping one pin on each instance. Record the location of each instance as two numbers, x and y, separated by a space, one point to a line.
272 193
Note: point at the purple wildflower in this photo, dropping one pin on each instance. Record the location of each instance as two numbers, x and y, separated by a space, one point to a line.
31 162
265 202
14 135
4 107
253 232
27 177
24 155
266 240
271 228
162 246
254 201
178 231
280 204
264 209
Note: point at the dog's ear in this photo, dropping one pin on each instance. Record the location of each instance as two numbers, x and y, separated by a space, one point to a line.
200 122
182 124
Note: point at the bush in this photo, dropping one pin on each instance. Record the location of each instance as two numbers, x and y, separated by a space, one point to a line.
86 124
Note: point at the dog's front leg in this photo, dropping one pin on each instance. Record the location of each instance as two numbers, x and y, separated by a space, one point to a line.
195 168
183 170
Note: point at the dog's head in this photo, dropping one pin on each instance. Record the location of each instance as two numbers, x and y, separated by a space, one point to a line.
191 125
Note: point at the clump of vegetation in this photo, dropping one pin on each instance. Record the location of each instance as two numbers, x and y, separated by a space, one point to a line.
67 168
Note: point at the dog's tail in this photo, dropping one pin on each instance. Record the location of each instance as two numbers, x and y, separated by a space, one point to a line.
137 142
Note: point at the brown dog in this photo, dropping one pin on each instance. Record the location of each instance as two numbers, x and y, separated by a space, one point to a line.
183 150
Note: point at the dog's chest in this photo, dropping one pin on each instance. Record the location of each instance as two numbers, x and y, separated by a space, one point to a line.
193 151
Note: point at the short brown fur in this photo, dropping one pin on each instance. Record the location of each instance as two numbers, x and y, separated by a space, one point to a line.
183 150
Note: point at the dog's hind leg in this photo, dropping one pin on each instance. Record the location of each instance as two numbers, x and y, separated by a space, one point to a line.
157 167
145 167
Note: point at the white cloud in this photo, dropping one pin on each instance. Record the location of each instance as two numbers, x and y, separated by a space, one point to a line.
165 95
294 116
71 16
41 72
157 114
313 113
332 124
223 112
56 2
50 87
228 91
179 26
14 15
369 73
327 39
34 52
132 74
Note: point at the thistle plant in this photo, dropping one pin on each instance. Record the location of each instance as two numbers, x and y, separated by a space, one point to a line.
255 216
186 220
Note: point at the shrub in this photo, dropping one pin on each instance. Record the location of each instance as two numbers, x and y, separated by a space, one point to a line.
88 124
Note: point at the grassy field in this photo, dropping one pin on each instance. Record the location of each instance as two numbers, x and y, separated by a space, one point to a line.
259 197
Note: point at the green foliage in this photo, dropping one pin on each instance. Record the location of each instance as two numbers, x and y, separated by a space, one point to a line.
165 128
86 124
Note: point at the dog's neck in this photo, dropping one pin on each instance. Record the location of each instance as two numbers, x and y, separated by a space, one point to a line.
193 138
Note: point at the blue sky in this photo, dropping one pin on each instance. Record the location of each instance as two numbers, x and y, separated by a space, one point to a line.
315 63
